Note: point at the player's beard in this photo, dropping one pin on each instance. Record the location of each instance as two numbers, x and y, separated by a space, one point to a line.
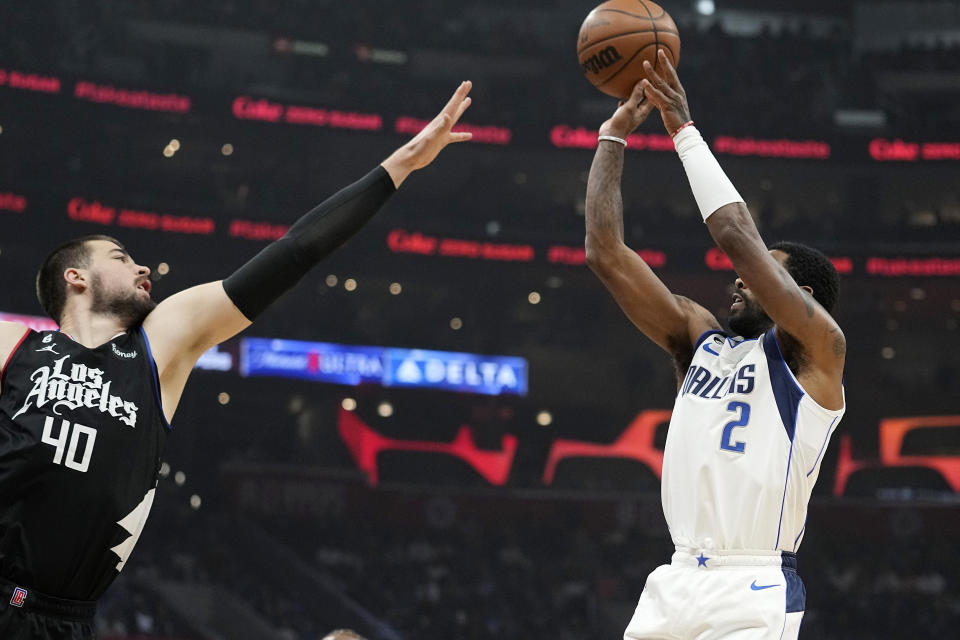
129 307
751 320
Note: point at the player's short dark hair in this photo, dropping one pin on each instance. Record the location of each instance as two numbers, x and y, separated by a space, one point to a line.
51 289
810 267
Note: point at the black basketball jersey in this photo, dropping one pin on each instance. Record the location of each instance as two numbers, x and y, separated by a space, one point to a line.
81 435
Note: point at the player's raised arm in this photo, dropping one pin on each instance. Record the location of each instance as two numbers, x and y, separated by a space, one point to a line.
671 321
10 335
188 323
791 307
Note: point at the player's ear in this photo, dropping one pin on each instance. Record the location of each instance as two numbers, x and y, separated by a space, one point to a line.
75 277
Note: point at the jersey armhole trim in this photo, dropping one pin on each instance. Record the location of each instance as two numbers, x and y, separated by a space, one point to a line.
13 352
156 378
787 392
706 334
828 412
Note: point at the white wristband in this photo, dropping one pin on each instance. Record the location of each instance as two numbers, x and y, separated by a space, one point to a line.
612 139
711 187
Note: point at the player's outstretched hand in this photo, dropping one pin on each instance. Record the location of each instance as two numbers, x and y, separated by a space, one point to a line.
629 115
666 93
424 147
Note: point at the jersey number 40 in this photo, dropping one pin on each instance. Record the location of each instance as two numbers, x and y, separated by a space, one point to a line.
68 440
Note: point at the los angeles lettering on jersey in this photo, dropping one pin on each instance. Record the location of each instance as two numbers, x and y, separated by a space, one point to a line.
81 387
700 382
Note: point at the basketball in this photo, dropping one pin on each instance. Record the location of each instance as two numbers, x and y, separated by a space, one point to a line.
617 36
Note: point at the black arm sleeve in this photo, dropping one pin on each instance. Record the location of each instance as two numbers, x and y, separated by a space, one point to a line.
276 269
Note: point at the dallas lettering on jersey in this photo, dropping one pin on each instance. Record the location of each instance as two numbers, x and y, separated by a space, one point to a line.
82 387
700 382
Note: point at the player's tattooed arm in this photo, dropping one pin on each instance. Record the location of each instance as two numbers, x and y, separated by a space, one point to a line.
604 201
672 322
699 321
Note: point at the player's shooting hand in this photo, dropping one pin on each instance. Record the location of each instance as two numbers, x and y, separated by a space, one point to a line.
666 93
629 115
424 147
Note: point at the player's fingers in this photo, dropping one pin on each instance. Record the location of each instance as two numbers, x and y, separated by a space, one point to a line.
636 96
654 95
670 71
644 108
652 75
458 97
440 125
462 107
657 80
638 102
460 136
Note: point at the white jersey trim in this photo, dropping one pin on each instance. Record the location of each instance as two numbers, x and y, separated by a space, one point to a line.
826 439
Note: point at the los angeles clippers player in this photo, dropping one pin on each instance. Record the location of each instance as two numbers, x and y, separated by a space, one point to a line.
754 409
85 411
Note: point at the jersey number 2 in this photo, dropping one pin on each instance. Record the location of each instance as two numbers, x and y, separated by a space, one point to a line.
743 411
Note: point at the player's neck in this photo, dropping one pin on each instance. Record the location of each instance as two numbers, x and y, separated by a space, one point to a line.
90 329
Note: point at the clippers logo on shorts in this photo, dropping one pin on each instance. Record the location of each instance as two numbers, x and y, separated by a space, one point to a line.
81 386
19 595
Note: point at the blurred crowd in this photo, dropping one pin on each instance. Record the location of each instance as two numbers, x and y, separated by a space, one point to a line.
130 610
445 573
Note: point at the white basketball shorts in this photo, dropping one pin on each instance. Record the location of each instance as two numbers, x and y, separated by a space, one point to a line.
716 594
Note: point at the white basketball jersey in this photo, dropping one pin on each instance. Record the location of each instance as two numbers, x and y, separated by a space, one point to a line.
743 449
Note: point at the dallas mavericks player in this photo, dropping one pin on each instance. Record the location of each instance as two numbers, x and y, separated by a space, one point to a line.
85 411
754 410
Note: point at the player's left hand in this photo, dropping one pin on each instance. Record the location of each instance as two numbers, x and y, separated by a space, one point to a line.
666 93
424 147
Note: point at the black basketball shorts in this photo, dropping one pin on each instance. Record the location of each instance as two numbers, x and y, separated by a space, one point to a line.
29 615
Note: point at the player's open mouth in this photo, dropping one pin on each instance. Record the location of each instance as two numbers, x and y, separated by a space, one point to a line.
737 302
144 286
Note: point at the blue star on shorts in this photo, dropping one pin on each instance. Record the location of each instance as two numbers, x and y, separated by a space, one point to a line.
702 560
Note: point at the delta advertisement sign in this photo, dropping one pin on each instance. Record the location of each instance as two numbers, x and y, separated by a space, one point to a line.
386 366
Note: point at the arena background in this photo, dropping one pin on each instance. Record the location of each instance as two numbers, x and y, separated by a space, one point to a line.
458 496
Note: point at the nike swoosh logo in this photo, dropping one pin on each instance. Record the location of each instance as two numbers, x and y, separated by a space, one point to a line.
761 587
